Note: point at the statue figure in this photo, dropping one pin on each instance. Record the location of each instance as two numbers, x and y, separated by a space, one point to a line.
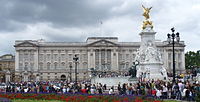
133 70
163 71
151 53
146 15
146 12
145 23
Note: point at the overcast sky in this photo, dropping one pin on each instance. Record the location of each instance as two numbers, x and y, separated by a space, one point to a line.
75 20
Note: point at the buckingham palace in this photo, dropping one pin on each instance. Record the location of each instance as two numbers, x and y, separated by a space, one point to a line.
41 60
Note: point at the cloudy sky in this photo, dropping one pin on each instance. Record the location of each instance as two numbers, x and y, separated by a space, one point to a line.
75 20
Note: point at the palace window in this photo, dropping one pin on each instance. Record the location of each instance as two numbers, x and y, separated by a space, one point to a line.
120 57
41 66
62 57
26 57
55 65
55 57
48 66
127 56
63 65
169 56
48 57
31 66
84 57
20 57
85 65
70 57
41 57
32 57
20 66
26 66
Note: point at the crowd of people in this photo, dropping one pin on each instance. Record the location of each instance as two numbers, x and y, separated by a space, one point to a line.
162 90
158 89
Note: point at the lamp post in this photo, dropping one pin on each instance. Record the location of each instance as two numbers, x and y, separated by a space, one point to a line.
76 61
70 72
172 37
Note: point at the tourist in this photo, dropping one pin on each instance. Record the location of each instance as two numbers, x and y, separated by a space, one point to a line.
119 89
158 93
158 88
93 89
110 92
164 91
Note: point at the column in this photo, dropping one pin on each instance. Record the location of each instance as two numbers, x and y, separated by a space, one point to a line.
36 59
114 60
7 76
183 60
91 59
100 65
17 60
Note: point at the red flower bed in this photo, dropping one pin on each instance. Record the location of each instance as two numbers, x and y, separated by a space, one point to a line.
79 97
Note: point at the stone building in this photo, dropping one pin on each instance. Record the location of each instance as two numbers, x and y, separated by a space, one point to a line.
40 60
7 67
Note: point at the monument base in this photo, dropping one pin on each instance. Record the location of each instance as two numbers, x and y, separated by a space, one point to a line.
113 81
133 80
152 71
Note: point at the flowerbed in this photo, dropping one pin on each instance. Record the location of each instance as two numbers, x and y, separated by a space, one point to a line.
79 97
29 100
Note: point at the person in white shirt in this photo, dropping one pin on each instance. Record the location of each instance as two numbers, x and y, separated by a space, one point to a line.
110 91
26 89
158 93
183 93
164 92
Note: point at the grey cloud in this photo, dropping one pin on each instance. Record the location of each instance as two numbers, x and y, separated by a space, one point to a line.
68 13
21 16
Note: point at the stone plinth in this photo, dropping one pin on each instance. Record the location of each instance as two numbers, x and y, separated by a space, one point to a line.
113 81
149 57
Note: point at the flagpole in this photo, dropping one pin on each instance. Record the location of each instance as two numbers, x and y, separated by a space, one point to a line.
101 31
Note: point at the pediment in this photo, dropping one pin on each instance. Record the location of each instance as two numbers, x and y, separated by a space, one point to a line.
26 44
102 43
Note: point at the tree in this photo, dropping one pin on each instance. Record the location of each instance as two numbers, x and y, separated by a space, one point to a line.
192 60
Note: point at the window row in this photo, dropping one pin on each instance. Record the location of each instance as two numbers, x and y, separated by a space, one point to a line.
56 65
62 57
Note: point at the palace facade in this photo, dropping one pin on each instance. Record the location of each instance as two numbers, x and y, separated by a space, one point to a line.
7 68
40 60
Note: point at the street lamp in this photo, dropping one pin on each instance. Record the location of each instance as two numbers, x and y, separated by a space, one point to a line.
76 61
172 37
70 72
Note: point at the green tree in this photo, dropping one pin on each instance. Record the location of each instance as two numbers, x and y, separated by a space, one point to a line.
192 59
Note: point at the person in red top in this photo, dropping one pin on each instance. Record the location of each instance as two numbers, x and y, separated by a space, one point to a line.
153 92
84 91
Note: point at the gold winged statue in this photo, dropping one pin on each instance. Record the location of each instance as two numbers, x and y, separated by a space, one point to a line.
146 15
146 12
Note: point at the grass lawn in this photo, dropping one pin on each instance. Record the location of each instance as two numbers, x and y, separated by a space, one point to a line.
170 101
27 100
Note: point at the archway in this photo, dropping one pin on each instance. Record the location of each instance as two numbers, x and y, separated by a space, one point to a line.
63 77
